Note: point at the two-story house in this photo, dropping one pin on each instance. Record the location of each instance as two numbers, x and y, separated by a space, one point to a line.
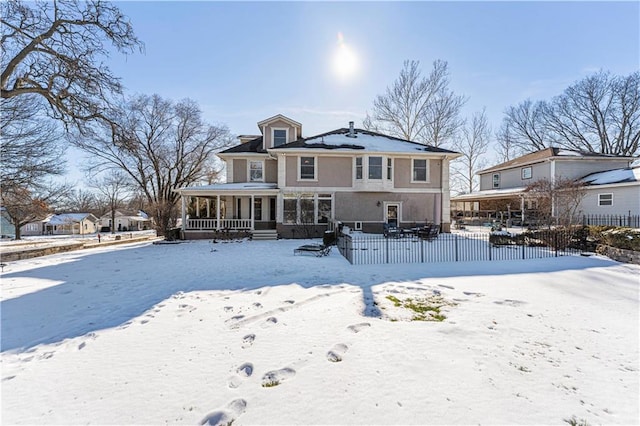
502 187
280 183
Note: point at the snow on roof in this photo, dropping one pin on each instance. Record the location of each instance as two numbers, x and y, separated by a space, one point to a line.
362 140
613 176
64 218
490 193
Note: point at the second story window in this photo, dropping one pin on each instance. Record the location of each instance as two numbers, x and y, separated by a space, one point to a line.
419 170
307 168
496 180
375 167
279 137
358 167
605 199
255 171
389 169
525 173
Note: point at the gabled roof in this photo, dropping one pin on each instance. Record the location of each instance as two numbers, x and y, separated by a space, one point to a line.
253 146
548 153
66 218
278 117
613 176
366 140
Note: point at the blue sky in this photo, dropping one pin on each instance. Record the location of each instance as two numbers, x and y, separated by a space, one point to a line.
246 61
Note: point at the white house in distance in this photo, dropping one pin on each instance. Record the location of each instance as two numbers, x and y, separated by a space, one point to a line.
126 221
611 184
63 224
281 183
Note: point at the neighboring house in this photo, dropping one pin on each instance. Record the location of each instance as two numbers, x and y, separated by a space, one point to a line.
70 224
282 183
614 192
7 230
126 221
502 187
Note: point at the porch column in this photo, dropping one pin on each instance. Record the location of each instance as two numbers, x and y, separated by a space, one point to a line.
198 207
252 213
218 212
208 207
184 213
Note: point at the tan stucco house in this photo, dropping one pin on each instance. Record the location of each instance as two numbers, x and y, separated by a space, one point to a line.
281 183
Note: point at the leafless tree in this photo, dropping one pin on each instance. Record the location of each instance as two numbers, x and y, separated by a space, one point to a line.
112 189
557 201
600 113
160 145
417 108
30 145
472 144
80 201
24 205
54 49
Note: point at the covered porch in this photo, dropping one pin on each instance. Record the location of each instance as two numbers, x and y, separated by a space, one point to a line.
211 210
511 207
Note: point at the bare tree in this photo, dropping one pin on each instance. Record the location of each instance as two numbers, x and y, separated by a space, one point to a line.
25 205
112 189
600 113
472 144
160 145
80 201
557 201
55 50
30 145
417 108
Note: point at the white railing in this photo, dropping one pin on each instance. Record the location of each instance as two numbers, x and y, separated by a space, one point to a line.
212 224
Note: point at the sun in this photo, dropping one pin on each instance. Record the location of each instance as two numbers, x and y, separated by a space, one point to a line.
345 62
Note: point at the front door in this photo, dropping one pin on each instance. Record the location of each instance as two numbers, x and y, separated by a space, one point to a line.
392 214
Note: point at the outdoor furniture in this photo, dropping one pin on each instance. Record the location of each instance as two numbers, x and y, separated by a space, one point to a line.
317 250
391 231
429 232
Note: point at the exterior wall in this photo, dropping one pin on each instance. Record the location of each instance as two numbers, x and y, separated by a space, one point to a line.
271 171
512 178
578 169
331 172
239 170
625 199
402 170
298 231
363 206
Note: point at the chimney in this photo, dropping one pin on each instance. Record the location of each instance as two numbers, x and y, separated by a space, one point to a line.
352 133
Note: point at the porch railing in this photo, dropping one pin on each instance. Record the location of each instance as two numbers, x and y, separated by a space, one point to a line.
212 224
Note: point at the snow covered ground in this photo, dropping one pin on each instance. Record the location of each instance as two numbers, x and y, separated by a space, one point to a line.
198 332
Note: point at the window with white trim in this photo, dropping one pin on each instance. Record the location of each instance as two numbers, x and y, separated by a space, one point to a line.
307 168
324 208
279 137
307 208
389 168
496 180
256 171
375 168
419 170
359 168
525 173
289 210
605 199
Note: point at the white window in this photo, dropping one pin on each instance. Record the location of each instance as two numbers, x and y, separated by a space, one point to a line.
358 167
605 199
256 171
389 169
496 180
525 173
375 167
307 168
279 137
419 172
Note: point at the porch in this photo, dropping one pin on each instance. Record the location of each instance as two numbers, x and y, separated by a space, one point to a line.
225 209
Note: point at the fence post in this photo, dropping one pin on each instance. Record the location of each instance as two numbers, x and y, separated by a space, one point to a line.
386 251
523 244
421 250
489 241
555 241
455 240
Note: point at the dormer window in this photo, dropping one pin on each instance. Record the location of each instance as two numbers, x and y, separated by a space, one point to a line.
279 137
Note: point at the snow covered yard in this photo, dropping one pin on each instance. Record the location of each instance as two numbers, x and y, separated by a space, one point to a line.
209 333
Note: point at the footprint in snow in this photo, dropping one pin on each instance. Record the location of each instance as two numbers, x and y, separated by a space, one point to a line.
244 371
248 340
337 352
257 305
446 286
510 302
357 328
471 293
226 417
275 377
270 322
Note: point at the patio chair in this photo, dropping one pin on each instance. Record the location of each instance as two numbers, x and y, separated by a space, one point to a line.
317 250
390 231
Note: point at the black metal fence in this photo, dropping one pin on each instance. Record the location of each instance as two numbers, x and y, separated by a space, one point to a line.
629 220
363 249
